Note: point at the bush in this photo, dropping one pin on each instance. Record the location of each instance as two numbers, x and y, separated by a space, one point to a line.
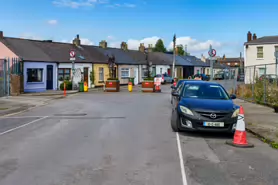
113 79
149 78
68 85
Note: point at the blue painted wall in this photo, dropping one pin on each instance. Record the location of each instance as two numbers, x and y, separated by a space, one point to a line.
38 86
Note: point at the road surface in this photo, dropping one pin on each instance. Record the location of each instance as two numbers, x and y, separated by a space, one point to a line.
122 139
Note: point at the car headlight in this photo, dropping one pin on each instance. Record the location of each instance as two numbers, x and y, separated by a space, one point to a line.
235 114
186 110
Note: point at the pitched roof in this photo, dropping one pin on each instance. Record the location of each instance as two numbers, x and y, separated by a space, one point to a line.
263 40
230 59
217 65
121 56
47 51
195 61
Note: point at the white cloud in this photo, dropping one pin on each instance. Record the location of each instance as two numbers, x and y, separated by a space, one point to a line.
110 37
75 4
52 22
126 5
134 44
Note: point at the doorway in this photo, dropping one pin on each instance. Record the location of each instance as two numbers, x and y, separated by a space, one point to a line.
86 75
135 76
49 77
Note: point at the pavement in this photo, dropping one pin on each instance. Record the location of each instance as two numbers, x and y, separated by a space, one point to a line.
261 120
122 138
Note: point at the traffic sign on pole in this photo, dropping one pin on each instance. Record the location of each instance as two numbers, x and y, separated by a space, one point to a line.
212 52
72 54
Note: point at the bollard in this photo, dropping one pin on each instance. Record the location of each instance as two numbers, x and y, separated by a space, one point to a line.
130 86
65 89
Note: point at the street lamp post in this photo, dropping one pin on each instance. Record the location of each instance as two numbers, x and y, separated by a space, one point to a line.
174 56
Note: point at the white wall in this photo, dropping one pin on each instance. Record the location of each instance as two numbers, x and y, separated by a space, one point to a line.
78 67
267 62
163 67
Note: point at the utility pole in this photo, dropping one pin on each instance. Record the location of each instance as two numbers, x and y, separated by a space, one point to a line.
211 64
174 56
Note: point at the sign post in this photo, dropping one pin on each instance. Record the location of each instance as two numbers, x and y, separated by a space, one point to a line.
276 62
212 53
72 59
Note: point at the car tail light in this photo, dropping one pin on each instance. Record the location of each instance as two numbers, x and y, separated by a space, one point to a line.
162 77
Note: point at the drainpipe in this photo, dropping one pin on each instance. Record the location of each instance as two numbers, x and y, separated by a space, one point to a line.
57 75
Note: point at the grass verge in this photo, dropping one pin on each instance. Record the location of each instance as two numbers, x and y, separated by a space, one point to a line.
270 142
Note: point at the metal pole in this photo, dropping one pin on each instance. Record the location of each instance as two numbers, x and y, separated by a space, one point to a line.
211 65
8 77
265 85
72 74
174 57
5 76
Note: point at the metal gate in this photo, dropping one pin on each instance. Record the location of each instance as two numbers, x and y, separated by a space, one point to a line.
7 68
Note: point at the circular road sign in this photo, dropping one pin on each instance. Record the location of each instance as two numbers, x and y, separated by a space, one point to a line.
72 54
212 53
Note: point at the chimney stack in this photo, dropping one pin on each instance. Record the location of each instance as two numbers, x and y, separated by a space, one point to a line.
1 35
254 36
177 50
124 46
76 41
150 48
142 47
103 44
249 36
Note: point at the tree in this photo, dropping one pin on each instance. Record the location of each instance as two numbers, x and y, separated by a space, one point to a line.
159 46
180 51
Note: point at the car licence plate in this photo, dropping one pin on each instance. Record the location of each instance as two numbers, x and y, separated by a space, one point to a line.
214 124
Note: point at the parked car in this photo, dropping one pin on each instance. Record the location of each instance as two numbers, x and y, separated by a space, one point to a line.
205 106
167 78
240 77
202 76
271 78
175 88
160 76
219 76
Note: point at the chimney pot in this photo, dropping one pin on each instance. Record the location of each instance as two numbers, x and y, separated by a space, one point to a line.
142 47
124 46
1 35
249 36
103 44
254 36
76 41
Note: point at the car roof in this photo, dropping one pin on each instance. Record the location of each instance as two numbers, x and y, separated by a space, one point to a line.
201 82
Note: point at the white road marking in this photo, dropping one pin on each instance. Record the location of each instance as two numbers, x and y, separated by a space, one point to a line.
26 124
184 181
21 117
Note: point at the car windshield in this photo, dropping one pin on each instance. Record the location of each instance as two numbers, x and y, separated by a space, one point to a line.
205 91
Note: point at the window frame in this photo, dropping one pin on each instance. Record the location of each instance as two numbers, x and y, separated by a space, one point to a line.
260 54
64 73
125 70
42 78
101 72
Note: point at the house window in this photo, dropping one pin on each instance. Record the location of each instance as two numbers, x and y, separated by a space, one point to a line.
261 71
207 71
144 72
64 74
229 63
34 75
260 52
160 70
101 74
236 64
125 72
276 48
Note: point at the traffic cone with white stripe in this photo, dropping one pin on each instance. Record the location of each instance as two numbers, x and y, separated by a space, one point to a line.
240 136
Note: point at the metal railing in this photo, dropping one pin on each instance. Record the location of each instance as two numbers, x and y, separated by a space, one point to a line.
260 84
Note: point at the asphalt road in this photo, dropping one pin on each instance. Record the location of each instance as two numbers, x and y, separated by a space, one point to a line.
122 139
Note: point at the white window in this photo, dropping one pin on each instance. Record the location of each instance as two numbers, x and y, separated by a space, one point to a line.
260 52
160 70
125 73
261 71
228 63
144 72
101 74
236 64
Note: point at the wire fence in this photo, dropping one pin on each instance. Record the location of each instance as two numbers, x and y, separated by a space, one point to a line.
260 84
8 67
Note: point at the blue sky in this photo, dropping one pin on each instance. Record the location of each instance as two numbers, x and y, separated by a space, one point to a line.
197 23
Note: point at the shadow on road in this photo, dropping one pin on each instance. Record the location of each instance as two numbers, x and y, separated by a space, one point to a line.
207 135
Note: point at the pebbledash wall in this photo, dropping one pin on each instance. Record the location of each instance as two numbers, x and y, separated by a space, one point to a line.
38 86
79 68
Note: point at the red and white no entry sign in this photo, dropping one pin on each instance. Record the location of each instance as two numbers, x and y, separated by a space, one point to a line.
212 52
72 54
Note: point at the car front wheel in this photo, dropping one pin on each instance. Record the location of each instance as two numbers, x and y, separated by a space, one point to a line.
175 121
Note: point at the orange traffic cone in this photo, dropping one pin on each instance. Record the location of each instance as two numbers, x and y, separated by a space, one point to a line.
240 137
157 88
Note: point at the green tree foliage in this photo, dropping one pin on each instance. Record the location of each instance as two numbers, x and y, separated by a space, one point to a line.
159 46
180 50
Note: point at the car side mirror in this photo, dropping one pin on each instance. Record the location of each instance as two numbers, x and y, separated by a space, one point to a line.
232 96
175 93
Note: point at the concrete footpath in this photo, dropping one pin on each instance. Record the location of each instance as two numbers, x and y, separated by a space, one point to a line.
15 104
260 120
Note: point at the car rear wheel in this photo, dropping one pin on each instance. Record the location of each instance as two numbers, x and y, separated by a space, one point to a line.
175 121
